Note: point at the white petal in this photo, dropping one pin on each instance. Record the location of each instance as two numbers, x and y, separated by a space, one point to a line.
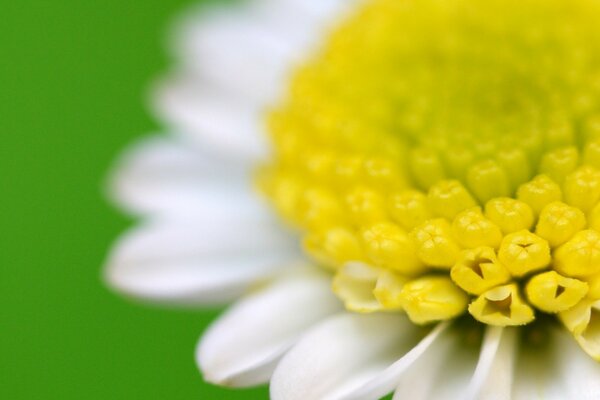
418 381
196 261
455 374
162 176
556 369
536 374
433 348
244 345
250 50
342 354
493 376
210 118
576 371
234 50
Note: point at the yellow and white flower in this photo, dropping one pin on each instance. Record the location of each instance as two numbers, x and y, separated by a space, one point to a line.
438 162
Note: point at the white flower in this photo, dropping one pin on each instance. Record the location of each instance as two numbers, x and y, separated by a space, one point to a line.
206 238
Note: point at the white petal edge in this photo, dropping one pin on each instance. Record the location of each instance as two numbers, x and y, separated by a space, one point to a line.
210 118
342 354
493 376
162 176
234 50
197 261
269 38
433 347
417 382
454 374
243 347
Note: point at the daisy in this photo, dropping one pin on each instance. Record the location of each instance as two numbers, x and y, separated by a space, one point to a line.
435 171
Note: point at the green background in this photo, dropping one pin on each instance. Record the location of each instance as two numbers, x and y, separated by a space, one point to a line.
73 76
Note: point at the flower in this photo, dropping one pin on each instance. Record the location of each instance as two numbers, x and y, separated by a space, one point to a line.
438 161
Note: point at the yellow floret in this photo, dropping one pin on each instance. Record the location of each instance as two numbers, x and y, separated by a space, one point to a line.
426 167
449 197
539 192
502 306
509 214
320 208
432 298
552 293
593 218
577 318
388 290
366 206
409 208
524 252
434 243
594 286
488 180
580 256
516 165
591 153
388 246
334 246
558 223
582 188
354 284
471 229
383 174
583 321
559 163
479 270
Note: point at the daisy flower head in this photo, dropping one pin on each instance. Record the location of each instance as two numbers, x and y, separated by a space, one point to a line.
435 169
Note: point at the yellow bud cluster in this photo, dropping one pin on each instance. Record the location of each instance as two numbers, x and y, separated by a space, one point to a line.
441 164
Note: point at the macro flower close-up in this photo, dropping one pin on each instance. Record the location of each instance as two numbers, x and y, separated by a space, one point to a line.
397 197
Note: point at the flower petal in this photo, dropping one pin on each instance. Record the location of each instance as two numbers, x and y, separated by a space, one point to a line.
536 373
556 369
216 43
576 371
271 321
196 261
423 360
342 354
235 62
425 370
450 377
208 117
266 37
493 376
162 176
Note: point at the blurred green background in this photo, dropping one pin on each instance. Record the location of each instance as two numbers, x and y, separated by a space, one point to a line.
73 76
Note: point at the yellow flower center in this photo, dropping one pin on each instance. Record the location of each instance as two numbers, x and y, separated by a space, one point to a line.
443 158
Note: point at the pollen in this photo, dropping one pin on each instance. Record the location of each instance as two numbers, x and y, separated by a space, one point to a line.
443 159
